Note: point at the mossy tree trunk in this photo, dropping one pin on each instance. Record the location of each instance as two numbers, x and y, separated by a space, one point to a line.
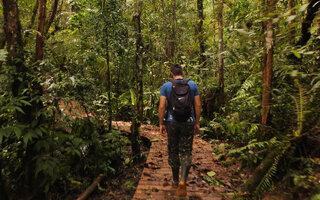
267 67
221 63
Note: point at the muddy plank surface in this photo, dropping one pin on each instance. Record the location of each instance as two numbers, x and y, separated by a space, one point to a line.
156 179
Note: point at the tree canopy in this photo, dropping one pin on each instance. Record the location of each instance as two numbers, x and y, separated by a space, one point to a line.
70 68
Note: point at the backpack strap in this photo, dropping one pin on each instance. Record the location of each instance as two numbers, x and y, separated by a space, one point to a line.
184 80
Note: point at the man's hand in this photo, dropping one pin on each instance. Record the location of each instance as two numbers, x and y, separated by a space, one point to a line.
162 129
196 128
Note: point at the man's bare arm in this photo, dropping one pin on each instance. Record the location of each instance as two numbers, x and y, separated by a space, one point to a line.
197 107
162 108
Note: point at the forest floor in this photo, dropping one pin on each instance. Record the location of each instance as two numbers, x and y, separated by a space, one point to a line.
209 178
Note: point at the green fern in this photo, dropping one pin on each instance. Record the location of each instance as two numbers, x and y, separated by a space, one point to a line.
246 85
253 145
266 182
300 102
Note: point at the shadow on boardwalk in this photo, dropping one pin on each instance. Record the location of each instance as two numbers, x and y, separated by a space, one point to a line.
156 178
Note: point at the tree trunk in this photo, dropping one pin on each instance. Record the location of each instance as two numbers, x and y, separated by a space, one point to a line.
109 86
213 29
33 18
220 64
267 68
138 110
172 40
91 188
20 83
2 36
56 22
51 16
291 4
312 10
40 35
2 33
199 32
15 56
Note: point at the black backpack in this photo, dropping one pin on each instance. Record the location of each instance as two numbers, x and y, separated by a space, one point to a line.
180 100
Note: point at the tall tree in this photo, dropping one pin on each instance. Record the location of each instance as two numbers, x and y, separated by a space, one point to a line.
200 33
15 56
108 83
267 67
138 110
171 43
220 64
107 38
51 16
312 10
41 23
213 26
291 4
33 19
2 36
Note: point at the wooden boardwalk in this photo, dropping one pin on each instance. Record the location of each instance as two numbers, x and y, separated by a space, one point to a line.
156 178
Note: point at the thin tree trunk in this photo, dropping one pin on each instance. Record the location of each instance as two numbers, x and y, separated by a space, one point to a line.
213 38
312 10
170 44
291 4
40 35
2 36
173 36
138 110
109 86
200 32
12 29
33 18
220 64
51 16
91 188
56 22
267 69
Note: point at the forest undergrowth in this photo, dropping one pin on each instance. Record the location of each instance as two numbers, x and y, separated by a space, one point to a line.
70 68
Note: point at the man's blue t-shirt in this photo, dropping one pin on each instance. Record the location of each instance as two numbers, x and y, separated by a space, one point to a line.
166 90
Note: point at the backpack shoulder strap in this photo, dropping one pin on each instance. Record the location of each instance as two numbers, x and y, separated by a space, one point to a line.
186 80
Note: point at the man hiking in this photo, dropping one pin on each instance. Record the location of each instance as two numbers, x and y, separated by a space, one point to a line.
181 122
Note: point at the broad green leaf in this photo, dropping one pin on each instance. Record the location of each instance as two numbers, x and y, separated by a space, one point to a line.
17 131
127 161
18 109
154 139
211 173
133 100
294 73
297 54
291 17
27 137
3 55
303 7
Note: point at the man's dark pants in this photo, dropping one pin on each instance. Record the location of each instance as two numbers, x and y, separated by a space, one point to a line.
180 139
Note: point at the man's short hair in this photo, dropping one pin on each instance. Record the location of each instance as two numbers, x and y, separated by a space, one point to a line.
176 69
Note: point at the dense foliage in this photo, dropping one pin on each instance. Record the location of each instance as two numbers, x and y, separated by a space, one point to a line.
88 77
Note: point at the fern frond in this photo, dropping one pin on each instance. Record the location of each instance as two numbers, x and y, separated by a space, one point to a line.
266 182
300 101
253 145
246 85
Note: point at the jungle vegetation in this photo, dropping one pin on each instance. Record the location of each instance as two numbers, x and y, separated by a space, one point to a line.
68 68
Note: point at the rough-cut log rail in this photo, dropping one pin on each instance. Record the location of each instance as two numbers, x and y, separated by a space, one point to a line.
155 182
